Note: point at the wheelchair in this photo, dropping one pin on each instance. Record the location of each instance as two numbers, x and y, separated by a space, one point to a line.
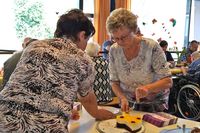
186 97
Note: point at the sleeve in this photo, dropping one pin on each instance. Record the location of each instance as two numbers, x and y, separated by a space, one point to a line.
194 73
9 66
169 56
112 66
159 63
86 76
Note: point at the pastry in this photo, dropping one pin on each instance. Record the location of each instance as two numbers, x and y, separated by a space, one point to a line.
132 123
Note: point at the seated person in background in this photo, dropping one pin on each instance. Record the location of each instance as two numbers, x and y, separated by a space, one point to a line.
92 49
164 45
193 70
105 48
138 68
102 88
10 63
192 48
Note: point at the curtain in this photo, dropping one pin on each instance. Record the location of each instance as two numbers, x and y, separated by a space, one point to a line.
101 12
123 4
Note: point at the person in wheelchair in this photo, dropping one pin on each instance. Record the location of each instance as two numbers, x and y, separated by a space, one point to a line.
192 73
188 94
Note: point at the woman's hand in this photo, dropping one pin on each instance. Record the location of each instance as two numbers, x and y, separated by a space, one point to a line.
124 105
75 115
141 92
103 114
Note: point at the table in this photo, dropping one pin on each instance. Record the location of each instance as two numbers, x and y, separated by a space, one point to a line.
114 102
178 54
2 51
176 70
87 124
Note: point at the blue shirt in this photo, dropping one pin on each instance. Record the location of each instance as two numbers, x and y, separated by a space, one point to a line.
194 70
104 50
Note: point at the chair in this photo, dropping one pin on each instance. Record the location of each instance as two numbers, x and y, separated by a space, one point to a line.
188 101
102 87
187 96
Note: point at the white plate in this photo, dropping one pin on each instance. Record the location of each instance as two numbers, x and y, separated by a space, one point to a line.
109 126
111 109
187 130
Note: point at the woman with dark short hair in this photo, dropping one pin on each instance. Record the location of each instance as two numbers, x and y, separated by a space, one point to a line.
169 58
49 77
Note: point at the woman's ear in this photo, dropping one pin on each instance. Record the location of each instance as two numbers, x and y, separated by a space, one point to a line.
81 35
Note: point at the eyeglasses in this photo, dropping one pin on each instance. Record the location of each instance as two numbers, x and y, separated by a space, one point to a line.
122 38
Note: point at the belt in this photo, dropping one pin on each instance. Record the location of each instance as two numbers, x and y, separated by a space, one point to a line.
146 106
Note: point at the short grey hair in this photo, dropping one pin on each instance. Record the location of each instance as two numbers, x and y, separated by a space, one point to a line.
195 55
92 49
121 17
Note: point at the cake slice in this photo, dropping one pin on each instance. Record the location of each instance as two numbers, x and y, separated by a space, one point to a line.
129 122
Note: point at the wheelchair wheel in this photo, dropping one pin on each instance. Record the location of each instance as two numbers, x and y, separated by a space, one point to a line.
188 102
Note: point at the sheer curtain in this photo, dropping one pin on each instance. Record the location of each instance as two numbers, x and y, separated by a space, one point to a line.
101 12
123 4
162 20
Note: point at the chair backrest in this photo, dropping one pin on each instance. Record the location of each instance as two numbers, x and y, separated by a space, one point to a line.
102 87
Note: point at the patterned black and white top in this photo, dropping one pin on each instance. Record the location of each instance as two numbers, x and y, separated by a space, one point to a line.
149 66
102 87
40 93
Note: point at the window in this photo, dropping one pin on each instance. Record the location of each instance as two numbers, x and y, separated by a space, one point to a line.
195 21
88 8
162 19
29 18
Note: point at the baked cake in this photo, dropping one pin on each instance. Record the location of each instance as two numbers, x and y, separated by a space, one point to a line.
129 122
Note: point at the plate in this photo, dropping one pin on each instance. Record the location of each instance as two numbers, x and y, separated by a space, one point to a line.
177 130
109 126
111 109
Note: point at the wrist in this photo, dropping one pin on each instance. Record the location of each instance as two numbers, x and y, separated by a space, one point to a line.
122 97
148 89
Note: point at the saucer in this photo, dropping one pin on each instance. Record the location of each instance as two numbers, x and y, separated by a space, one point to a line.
109 126
177 130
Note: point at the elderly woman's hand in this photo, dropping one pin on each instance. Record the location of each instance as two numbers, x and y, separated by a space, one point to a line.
141 92
103 114
124 105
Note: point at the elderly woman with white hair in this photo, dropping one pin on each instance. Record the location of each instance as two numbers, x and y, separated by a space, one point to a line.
102 88
138 68
92 49
193 70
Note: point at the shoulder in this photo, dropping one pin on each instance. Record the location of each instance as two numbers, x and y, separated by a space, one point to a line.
115 48
107 43
196 62
188 51
148 42
16 56
167 52
151 46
